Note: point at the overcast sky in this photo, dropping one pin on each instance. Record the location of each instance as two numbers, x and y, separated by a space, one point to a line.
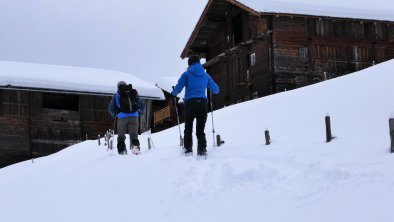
144 38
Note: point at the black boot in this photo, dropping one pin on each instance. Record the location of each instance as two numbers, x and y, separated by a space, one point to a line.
202 146
188 142
122 148
135 143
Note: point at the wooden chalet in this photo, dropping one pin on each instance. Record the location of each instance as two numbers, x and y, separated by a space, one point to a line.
45 108
255 52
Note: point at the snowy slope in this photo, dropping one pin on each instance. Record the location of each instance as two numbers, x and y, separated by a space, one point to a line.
298 177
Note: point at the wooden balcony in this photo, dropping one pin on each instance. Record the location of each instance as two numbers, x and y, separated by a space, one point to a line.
165 116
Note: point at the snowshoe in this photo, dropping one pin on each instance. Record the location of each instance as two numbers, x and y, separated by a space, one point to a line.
188 153
135 150
124 152
202 156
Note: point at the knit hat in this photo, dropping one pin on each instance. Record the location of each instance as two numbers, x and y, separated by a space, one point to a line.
193 58
120 83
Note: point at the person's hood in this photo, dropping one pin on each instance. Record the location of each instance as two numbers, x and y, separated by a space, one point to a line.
196 69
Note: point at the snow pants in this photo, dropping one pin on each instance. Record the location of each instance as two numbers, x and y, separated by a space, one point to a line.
195 109
131 124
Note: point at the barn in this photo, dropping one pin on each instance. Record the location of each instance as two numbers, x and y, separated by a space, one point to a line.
45 108
258 48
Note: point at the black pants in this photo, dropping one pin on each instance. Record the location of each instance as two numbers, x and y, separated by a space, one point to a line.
195 109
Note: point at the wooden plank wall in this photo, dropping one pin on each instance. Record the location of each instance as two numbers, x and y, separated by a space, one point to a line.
237 78
13 140
302 51
95 119
307 49
26 127
288 38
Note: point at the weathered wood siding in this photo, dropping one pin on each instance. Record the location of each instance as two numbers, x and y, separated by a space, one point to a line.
94 116
308 50
45 123
42 123
298 51
240 77
288 38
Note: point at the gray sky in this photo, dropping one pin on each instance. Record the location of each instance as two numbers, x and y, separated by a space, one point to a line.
144 38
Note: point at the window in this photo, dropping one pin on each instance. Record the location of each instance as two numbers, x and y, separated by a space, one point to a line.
252 59
324 27
381 31
237 29
247 75
60 101
303 53
339 28
355 30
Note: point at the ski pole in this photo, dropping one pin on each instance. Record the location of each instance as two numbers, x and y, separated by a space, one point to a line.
112 133
177 117
213 127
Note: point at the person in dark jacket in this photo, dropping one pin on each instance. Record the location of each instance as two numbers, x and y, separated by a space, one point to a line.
196 81
126 121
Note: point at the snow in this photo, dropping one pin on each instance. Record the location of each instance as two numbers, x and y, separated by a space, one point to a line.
68 78
361 9
299 177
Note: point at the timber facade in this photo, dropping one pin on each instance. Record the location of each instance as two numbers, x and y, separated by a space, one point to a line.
36 123
252 54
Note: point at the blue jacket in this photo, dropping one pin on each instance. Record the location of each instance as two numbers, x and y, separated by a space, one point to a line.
114 106
196 81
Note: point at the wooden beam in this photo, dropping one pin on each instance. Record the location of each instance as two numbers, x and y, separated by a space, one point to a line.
235 49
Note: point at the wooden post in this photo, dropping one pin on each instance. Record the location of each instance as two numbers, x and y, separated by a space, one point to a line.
267 137
149 146
181 141
391 123
218 140
99 139
328 129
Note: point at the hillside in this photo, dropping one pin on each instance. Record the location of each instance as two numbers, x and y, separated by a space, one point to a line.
299 177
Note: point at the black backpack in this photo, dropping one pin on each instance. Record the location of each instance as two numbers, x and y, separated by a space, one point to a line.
128 99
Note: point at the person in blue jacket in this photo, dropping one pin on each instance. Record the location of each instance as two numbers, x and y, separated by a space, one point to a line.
126 121
196 81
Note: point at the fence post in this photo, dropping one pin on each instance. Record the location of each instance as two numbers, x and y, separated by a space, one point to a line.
267 137
149 146
391 123
219 140
328 129
99 140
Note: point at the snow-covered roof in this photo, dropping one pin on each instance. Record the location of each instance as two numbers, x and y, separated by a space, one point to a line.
71 79
360 9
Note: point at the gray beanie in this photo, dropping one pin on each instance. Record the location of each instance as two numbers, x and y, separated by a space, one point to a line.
120 83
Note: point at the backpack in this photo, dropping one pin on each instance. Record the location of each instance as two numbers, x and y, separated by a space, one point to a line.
128 99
